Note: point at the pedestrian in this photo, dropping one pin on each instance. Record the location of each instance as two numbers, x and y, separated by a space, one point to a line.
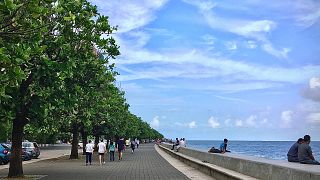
89 152
137 143
112 148
127 143
305 153
133 146
121 147
102 149
293 151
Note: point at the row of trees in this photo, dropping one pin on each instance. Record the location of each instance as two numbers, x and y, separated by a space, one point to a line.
56 77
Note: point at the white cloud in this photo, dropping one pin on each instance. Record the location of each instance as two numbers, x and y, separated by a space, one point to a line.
239 123
251 29
192 124
251 44
309 106
251 121
155 123
305 13
231 45
232 99
313 91
286 117
227 122
311 17
203 5
198 64
129 15
264 121
313 118
213 122
267 46
209 39
314 82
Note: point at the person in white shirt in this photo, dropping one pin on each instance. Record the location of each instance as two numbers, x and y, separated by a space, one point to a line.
101 150
181 142
89 152
137 143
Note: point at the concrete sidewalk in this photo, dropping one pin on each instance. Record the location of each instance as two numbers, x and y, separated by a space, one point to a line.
144 163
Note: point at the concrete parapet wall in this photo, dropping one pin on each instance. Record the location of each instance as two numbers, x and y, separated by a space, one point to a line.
255 167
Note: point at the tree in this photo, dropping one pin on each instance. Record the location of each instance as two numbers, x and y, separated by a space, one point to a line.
41 38
55 75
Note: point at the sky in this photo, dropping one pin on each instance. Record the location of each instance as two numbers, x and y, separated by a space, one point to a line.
209 69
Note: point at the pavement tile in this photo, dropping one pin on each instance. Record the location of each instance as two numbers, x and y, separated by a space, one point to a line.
144 163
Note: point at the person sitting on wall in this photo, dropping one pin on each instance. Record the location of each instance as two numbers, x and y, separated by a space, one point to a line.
293 151
223 146
305 153
175 144
214 150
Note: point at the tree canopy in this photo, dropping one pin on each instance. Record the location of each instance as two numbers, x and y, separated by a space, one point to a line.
56 76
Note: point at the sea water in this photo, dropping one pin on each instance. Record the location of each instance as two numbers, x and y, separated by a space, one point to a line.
266 149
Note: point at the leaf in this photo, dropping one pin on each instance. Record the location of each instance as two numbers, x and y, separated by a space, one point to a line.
9 4
67 18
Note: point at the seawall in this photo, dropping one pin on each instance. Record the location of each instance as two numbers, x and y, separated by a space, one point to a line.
255 167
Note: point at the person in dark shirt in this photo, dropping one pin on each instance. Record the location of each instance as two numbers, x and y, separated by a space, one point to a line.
120 146
175 144
293 151
305 153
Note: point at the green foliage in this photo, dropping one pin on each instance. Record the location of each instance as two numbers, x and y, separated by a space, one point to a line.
55 71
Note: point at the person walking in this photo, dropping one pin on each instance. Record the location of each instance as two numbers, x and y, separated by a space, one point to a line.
133 146
137 143
121 147
89 152
305 153
112 149
101 150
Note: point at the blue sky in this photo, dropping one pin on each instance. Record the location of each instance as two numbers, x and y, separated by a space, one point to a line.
242 70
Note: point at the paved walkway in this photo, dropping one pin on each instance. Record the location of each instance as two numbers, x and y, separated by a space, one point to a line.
145 163
187 170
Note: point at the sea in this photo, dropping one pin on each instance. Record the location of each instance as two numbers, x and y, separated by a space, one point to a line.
266 149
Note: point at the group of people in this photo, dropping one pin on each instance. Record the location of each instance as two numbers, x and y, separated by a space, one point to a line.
119 146
301 152
179 143
222 149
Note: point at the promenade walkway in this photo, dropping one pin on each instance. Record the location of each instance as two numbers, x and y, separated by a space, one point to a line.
145 163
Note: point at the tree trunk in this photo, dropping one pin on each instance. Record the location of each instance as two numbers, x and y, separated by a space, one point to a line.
75 141
96 142
84 136
15 169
